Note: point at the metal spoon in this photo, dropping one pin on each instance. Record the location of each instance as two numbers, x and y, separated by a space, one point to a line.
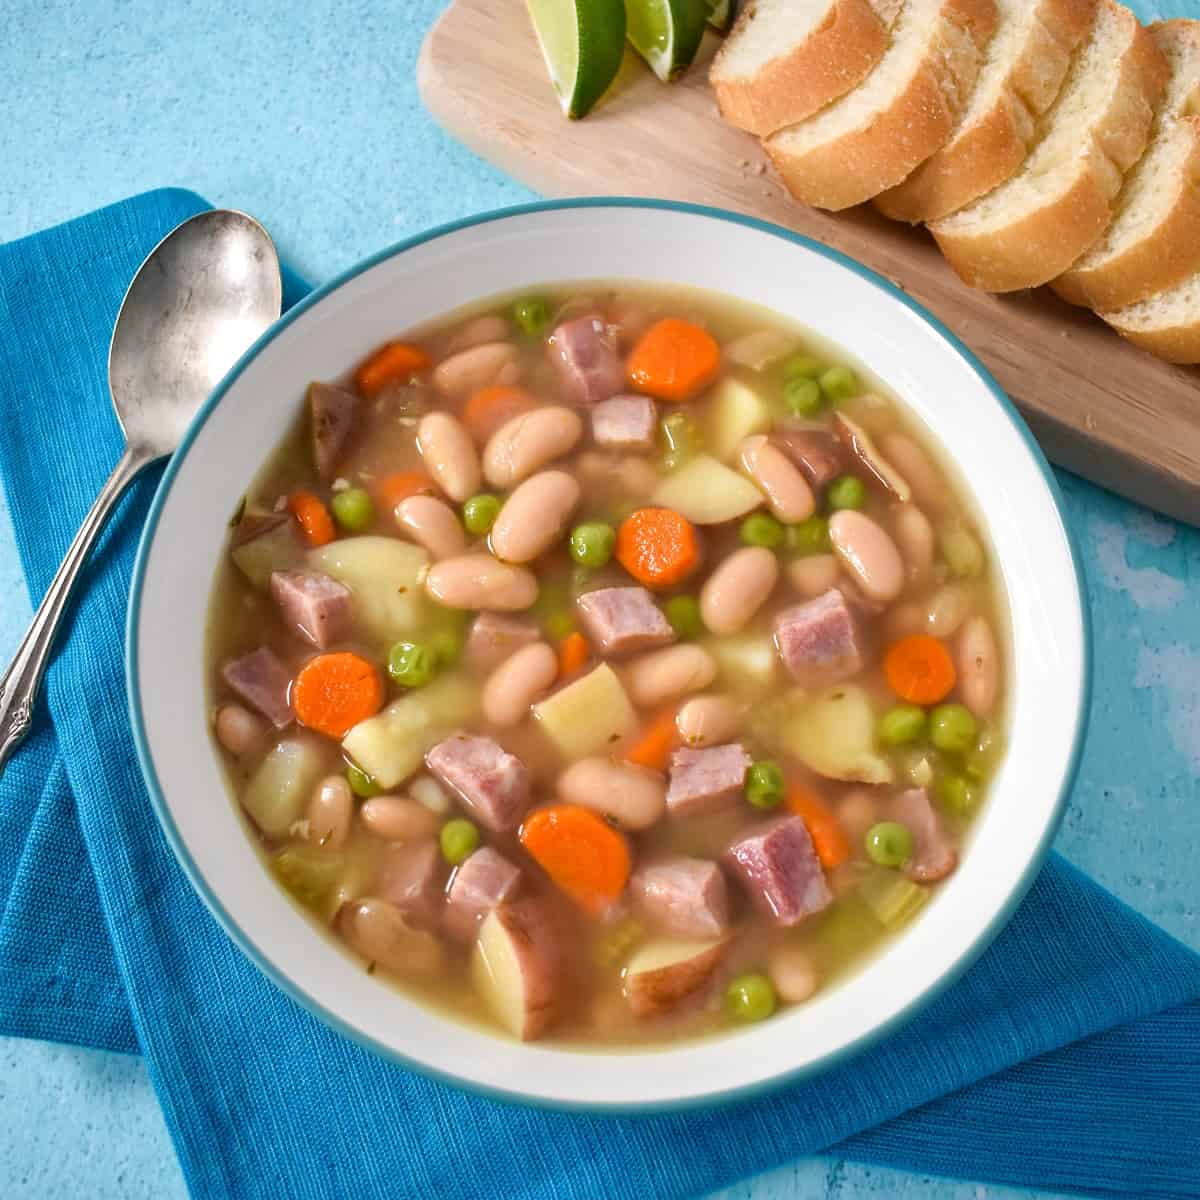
202 296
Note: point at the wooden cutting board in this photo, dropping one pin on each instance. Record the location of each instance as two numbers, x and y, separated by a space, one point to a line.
1098 406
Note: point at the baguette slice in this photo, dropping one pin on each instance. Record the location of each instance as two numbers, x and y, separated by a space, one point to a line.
785 59
1023 71
1032 228
898 116
1167 324
1154 240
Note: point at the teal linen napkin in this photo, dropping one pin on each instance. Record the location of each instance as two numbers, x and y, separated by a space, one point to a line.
1068 1057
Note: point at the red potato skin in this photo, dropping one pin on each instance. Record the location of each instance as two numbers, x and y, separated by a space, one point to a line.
540 944
656 993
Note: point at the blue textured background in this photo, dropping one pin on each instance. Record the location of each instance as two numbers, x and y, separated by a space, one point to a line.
306 115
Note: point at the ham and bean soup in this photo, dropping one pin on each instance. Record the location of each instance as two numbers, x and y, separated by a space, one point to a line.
608 664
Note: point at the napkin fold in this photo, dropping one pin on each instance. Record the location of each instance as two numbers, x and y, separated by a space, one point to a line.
1068 1057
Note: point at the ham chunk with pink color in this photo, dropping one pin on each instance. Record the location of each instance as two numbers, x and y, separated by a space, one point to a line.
682 897
494 637
334 415
586 360
622 620
779 870
263 682
492 784
485 880
703 781
315 606
818 455
820 642
413 878
934 855
625 423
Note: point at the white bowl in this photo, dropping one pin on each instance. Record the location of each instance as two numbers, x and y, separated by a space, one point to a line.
610 239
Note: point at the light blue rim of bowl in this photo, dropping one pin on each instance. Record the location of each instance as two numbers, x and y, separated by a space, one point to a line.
709 1100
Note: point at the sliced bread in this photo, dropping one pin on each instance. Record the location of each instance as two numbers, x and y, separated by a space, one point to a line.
1167 324
904 110
1023 70
1031 228
785 59
1153 242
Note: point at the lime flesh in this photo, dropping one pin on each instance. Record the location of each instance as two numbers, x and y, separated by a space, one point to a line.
667 33
583 43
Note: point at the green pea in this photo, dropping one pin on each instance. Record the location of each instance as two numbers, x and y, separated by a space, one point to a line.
762 529
559 624
983 757
902 724
458 839
445 645
750 997
962 552
480 512
847 491
411 664
591 544
810 536
531 315
838 384
764 784
800 365
683 614
680 437
889 844
361 784
957 793
352 509
952 728
802 396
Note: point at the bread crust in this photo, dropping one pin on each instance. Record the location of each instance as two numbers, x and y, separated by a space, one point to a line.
1177 344
865 161
993 148
835 57
1040 245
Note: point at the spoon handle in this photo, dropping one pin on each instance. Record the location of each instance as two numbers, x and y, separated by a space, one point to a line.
19 684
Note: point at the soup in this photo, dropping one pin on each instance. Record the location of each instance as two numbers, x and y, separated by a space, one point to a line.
614 664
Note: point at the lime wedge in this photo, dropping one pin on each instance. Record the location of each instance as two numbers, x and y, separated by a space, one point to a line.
583 42
667 33
721 14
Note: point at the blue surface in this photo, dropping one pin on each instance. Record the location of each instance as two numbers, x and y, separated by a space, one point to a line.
306 115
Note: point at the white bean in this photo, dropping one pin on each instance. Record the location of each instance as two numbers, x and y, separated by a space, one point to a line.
398 818
926 485
708 720
978 661
529 441
903 619
430 794
472 369
868 554
634 797
793 973
947 610
534 516
330 811
814 574
517 682
737 589
239 731
489 328
478 581
777 477
381 934
449 454
433 524
914 535
662 675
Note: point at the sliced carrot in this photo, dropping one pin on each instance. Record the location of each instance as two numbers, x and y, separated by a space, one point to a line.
397 360
333 692
573 652
828 837
313 518
653 748
658 547
491 407
674 360
391 489
919 669
583 855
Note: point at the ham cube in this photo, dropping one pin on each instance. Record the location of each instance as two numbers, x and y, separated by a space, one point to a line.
492 784
586 360
625 423
334 417
682 897
484 881
494 637
413 878
819 641
315 606
818 455
934 855
621 620
703 781
263 682
779 869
